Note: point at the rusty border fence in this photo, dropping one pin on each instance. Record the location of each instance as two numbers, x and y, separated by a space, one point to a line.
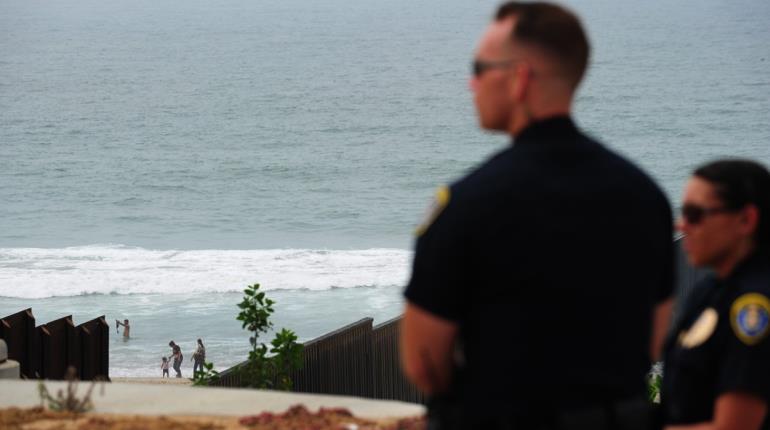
338 362
390 381
60 348
94 349
355 360
18 330
48 350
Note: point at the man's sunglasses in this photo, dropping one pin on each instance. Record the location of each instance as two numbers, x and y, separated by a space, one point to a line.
694 214
478 67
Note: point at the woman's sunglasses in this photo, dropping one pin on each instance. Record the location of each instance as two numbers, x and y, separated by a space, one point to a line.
694 214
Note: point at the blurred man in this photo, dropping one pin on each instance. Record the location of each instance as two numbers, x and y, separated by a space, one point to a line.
541 281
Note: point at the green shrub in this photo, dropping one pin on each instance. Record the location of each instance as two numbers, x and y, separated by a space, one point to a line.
265 368
262 370
207 376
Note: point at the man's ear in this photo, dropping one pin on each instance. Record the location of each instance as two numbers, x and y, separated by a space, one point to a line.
522 73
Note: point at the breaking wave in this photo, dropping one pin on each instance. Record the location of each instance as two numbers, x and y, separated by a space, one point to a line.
117 269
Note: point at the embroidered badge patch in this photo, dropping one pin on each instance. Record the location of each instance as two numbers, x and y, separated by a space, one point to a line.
701 330
750 317
434 209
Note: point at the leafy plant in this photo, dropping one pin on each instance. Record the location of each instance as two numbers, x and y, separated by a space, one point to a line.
263 370
255 314
288 356
207 376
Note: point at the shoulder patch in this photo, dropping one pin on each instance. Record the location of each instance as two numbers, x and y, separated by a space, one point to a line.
440 201
701 330
750 317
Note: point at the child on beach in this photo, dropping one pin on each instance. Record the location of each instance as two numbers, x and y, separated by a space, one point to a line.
164 366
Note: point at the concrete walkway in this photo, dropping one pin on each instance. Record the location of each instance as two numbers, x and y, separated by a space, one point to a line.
151 399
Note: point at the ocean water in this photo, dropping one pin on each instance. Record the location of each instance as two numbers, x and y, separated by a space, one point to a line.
157 157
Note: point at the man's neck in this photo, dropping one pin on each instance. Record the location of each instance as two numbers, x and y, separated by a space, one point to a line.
523 121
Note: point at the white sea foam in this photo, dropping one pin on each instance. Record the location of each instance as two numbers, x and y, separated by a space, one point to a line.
117 269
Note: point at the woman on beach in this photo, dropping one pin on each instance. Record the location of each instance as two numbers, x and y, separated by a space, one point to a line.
717 359
176 354
199 357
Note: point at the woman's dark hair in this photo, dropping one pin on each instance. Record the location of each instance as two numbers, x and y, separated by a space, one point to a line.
739 183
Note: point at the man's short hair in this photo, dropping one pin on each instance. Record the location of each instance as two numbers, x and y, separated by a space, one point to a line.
554 30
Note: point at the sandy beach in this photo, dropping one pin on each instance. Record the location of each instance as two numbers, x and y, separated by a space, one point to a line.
154 381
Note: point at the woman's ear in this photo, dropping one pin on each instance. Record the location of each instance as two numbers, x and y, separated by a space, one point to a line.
749 219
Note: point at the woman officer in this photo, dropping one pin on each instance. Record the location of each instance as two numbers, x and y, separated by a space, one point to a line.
717 358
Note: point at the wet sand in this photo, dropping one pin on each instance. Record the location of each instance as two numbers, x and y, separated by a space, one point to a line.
154 381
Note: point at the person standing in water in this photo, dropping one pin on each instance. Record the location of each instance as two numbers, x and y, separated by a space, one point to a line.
126 328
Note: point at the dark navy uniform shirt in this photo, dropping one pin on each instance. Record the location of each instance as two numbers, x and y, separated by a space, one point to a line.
720 345
550 258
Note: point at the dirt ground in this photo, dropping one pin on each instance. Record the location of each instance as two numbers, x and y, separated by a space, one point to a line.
296 418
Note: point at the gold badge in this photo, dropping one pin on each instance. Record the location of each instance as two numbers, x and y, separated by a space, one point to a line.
750 317
701 330
434 209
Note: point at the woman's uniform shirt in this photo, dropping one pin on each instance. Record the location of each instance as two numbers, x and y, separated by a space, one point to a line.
720 345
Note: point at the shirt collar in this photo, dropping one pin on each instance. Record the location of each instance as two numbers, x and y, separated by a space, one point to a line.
757 259
546 129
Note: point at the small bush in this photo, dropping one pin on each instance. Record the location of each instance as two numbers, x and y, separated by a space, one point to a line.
207 376
69 402
267 368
